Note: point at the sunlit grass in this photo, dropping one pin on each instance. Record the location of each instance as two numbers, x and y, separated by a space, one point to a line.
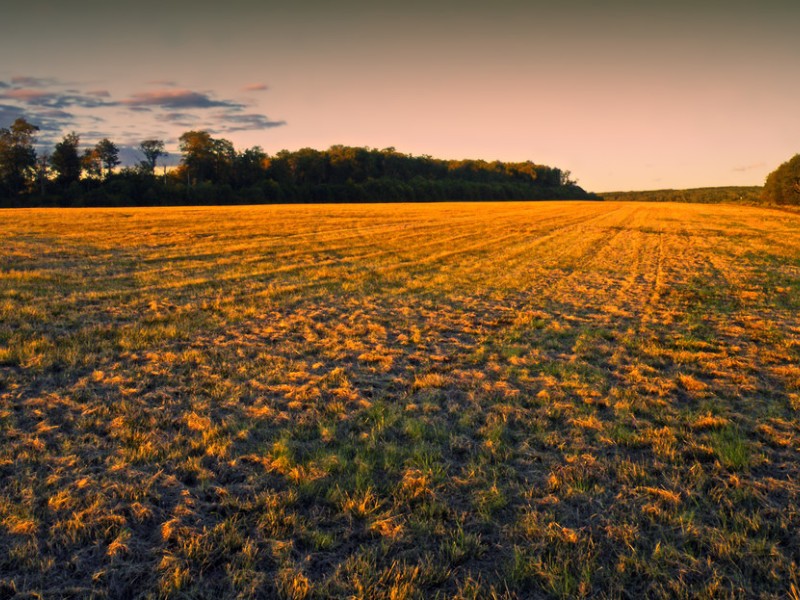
501 400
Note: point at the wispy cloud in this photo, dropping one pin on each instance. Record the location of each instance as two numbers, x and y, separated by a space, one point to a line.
752 167
27 95
56 106
55 113
180 118
38 82
178 99
49 121
246 122
50 99
9 114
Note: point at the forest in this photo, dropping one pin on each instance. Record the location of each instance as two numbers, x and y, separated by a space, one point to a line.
213 171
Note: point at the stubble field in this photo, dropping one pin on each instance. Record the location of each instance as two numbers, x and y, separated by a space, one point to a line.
505 400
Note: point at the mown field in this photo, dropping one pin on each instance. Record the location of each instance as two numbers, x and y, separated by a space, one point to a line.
400 401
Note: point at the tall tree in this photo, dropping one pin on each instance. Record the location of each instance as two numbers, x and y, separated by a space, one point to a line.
783 184
152 151
91 163
108 153
198 155
249 166
66 161
42 168
206 158
17 155
308 166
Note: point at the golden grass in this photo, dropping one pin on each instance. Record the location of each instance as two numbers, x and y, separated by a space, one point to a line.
503 400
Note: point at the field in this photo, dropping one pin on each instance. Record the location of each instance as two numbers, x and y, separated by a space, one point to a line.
504 400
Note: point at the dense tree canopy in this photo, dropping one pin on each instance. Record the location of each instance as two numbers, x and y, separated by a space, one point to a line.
17 156
710 195
91 164
66 160
783 184
108 153
152 150
213 171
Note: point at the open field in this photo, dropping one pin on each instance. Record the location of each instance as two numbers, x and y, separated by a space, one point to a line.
400 401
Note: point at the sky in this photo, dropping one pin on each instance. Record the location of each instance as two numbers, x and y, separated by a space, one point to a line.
625 95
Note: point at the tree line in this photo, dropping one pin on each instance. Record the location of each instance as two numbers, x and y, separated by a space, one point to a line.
213 171
708 195
781 188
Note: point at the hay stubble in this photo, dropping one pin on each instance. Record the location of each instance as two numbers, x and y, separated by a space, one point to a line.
541 399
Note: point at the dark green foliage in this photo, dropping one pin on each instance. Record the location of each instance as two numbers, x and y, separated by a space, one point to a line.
212 171
215 173
17 157
349 174
348 165
206 159
91 163
249 167
783 184
152 150
710 195
198 155
108 153
65 161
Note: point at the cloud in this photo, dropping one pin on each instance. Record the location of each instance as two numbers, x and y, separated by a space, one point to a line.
55 113
56 107
163 82
178 99
27 95
44 92
181 119
38 82
80 100
35 97
246 122
48 121
752 167
178 116
130 155
93 134
9 114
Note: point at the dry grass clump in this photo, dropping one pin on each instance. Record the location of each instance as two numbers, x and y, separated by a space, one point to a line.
400 401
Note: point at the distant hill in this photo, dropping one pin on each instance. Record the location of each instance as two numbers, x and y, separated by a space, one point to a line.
708 195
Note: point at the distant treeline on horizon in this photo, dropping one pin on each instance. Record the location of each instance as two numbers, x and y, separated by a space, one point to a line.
781 190
212 171
706 195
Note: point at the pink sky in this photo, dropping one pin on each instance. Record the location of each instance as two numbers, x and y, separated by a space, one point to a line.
650 96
